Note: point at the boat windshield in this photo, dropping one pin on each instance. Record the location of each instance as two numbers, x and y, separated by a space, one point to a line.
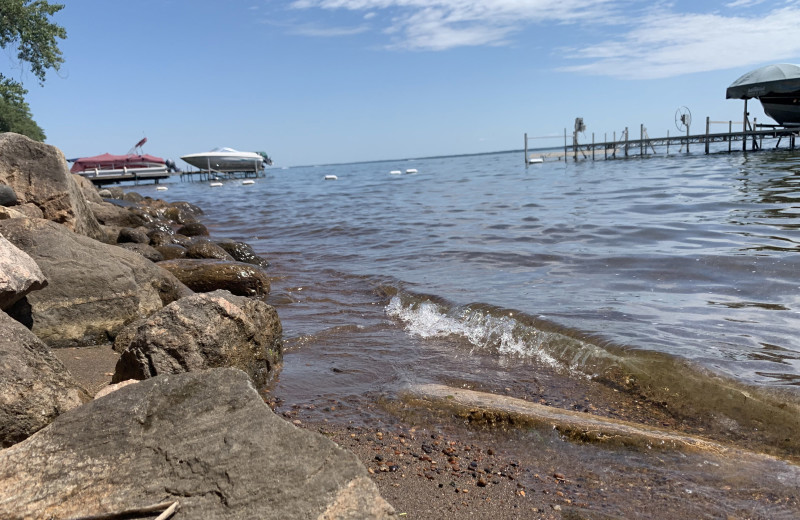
224 149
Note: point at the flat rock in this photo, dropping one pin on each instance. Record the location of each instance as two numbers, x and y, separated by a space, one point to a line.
34 385
93 290
38 173
199 332
205 275
205 439
19 274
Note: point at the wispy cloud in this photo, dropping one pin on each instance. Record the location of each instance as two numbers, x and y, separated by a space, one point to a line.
444 24
652 40
327 32
667 44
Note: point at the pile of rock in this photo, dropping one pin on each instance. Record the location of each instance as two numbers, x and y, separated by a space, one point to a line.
79 268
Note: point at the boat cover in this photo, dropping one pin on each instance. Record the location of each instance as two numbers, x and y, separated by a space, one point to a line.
108 161
781 78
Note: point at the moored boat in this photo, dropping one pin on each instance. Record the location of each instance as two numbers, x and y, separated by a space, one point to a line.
228 160
777 87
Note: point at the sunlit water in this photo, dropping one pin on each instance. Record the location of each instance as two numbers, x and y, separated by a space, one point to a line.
418 275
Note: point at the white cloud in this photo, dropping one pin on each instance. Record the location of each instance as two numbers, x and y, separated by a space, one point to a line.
445 24
327 32
654 39
744 3
667 44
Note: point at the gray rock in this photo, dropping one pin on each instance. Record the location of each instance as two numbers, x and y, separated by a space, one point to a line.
88 189
205 248
242 252
93 290
206 439
105 194
112 215
116 192
135 235
132 196
193 229
19 274
203 331
34 386
7 196
171 251
209 275
38 173
146 250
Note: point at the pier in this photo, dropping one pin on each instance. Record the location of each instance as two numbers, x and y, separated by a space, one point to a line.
135 175
750 136
214 175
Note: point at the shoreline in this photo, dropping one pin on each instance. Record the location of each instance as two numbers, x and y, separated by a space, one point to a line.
430 462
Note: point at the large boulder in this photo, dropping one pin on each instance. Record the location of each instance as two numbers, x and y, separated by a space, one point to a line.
38 174
88 189
206 439
19 274
34 386
199 332
93 290
206 275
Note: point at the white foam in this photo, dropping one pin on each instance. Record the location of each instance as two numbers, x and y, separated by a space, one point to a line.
504 334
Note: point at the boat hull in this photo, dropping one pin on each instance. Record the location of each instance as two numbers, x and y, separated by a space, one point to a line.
784 109
244 162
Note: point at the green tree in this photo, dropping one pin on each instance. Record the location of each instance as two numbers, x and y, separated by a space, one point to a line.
25 26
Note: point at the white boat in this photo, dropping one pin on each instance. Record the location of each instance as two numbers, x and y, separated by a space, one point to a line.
228 160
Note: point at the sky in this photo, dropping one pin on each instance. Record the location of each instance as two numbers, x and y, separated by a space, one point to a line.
337 81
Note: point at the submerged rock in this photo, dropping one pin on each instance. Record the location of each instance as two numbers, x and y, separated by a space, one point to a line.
242 252
203 331
206 439
209 275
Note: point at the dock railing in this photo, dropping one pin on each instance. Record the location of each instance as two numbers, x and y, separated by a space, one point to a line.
752 133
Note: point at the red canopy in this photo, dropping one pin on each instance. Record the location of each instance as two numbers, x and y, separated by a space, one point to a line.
115 162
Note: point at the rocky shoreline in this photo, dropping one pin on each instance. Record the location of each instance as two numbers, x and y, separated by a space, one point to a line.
102 289
81 269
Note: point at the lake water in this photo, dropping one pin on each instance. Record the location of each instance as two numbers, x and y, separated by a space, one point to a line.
476 266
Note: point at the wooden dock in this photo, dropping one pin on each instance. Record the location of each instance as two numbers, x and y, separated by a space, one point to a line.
135 175
751 136
213 175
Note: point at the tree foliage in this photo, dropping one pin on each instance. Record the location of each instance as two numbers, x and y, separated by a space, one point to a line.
25 27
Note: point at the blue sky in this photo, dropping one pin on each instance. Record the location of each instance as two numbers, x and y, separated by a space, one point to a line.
326 81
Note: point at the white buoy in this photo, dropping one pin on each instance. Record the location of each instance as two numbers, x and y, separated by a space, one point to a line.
395 172
161 188
331 177
215 184
411 170
535 160
248 182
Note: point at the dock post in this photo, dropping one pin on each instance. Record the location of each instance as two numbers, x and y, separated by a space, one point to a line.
526 149
565 146
593 146
708 125
687 138
614 150
730 130
744 127
667 142
641 139
605 146
626 141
